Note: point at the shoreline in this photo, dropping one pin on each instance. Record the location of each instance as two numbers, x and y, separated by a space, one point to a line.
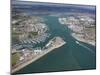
78 30
37 57
82 40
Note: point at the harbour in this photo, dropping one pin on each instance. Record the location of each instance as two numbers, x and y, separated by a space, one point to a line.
71 56
54 43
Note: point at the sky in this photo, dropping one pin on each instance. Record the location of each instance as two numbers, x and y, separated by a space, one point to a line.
52 7
91 7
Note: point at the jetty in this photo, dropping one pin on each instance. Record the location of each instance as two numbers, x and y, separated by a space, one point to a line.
54 43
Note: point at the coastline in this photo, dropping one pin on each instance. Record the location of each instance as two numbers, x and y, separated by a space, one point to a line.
82 40
37 57
78 29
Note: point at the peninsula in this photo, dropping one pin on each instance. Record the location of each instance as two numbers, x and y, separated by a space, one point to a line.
30 56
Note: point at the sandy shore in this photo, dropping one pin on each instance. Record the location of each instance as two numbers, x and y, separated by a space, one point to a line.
37 57
82 40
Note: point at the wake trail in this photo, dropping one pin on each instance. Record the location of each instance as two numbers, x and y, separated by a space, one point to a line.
87 48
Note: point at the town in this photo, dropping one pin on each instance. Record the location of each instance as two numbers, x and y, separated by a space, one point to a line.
27 31
82 27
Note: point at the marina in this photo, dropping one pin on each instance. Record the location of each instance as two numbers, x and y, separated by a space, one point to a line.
60 38
56 42
70 56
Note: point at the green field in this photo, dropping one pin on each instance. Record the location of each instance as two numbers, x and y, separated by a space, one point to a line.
15 58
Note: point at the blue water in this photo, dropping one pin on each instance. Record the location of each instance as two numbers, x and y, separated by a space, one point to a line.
71 56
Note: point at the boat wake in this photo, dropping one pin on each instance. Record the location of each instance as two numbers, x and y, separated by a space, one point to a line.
87 48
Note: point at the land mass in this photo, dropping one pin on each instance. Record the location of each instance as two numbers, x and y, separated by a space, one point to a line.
82 27
32 56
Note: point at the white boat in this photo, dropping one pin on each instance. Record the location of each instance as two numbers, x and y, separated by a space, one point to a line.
77 42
